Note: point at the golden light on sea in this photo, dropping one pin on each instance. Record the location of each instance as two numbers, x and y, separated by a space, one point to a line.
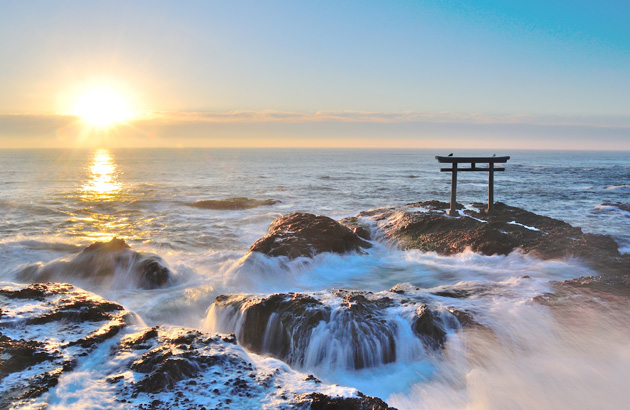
103 183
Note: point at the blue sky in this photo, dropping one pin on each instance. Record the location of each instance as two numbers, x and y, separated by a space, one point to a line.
512 65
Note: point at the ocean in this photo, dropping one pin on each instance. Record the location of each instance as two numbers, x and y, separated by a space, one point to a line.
54 203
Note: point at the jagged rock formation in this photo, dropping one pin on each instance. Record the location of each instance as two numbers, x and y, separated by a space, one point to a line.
103 263
302 234
318 401
52 329
341 329
426 226
45 329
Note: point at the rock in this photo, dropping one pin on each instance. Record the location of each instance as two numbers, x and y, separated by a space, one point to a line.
424 325
427 227
101 263
359 227
619 205
18 355
501 232
233 203
302 234
294 317
113 245
52 329
344 329
320 401
45 329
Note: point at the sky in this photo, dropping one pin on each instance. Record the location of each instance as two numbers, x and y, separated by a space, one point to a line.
405 74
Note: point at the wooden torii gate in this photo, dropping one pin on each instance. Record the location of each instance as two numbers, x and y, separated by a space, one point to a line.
473 161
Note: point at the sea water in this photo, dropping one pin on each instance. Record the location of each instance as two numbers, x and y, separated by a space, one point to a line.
53 203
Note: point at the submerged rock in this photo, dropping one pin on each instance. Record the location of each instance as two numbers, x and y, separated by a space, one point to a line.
233 203
618 205
302 234
100 263
341 329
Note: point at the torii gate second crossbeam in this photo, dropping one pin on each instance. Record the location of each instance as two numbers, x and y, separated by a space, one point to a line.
473 161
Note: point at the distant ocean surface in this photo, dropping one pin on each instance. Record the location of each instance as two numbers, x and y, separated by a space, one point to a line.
55 202
141 195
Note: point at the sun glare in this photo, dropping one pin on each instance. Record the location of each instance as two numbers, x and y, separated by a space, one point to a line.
102 107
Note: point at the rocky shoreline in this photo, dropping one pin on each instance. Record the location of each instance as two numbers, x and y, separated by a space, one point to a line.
426 226
49 329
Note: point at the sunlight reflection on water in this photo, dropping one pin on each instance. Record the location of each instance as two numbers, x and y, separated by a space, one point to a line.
103 184
101 219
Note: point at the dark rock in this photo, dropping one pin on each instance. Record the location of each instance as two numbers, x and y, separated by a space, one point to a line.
310 377
170 365
17 355
500 232
284 325
174 358
454 293
152 273
36 291
424 325
302 234
464 318
40 384
319 401
233 203
54 310
140 341
619 205
609 284
98 264
427 227
165 375
78 310
113 245
362 229
294 317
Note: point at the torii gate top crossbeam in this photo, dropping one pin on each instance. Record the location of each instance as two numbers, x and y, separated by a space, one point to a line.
473 160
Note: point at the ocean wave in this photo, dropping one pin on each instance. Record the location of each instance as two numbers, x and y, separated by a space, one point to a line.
619 187
617 208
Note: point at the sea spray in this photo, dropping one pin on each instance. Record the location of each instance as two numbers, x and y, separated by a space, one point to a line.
572 355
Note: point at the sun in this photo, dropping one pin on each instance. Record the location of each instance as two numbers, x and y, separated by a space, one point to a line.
102 107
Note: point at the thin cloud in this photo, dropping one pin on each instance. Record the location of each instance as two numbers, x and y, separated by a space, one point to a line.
385 117
14 122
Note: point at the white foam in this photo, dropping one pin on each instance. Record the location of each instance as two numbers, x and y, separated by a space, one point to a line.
464 214
531 228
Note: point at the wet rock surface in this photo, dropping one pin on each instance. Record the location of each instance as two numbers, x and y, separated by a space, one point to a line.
45 329
318 401
344 329
358 226
233 203
302 234
426 226
105 263
48 331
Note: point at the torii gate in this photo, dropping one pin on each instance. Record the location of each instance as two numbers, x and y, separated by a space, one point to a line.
473 161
